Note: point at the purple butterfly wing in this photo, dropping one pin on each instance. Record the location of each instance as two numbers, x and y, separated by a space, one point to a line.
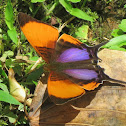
77 60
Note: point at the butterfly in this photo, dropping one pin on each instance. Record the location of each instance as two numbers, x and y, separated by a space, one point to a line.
72 65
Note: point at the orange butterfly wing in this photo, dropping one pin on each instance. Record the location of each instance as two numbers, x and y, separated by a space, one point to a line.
61 89
41 36
67 38
70 39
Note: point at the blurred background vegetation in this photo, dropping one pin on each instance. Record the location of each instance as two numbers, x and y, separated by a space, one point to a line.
94 21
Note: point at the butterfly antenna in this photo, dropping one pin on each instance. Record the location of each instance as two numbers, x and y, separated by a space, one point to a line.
100 45
107 78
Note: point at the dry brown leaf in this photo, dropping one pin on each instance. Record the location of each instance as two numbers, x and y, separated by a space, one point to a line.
114 63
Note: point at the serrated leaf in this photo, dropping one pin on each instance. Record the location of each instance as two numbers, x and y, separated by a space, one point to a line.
74 1
9 19
13 35
6 97
122 26
35 1
75 11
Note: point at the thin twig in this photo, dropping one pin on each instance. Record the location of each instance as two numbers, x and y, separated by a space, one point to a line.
64 24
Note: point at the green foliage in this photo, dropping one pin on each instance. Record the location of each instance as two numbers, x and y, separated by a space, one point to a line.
17 53
3 74
117 32
75 11
82 33
4 87
35 1
117 43
9 19
74 1
6 97
33 76
122 26
125 6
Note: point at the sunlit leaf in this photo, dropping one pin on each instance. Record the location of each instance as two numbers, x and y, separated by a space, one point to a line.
2 72
82 33
9 19
125 6
66 5
6 97
117 32
6 54
117 43
34 58
11 116
3 123
75 11
13 35
4 87
74 1
122 26
35 1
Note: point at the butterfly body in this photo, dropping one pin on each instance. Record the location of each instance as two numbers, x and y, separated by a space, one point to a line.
72 65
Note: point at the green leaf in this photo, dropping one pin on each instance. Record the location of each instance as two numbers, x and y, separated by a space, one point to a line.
35 82
35 1
75 11
4 87
35 75
17 69
3 123
117 43
66 5
13 35
10 115
122 26
34 58
82 33
6 54
3 73
9 19
6 97
74 1
117 32
125 6
9 62
80 14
